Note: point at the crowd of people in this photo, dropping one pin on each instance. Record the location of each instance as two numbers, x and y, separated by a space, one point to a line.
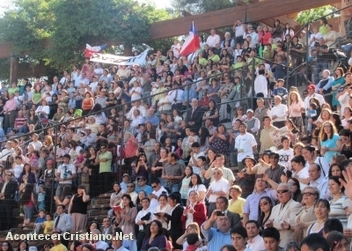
175 128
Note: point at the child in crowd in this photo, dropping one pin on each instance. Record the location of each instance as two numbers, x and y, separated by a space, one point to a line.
311 113
41 198
39 221
193 242
48 225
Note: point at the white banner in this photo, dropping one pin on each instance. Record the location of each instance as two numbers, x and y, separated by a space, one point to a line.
119 60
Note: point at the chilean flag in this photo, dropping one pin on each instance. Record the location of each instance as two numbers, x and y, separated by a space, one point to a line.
192 42
93 49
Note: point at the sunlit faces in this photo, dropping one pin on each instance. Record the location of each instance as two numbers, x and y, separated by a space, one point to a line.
271 244
238 241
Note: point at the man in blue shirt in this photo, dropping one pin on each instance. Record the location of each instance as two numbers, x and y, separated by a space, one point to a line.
151 117
219 236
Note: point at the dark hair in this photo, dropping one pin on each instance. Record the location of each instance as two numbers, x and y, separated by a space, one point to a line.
337 180
192 238
204 134
228 247
324 202
271 232
175 196
314 242
260 213
129 198
10 248
90 224
224 199
334 238
296 195
199 180
239 230
254 222
19 244
160 226
330 169
333 225
299 159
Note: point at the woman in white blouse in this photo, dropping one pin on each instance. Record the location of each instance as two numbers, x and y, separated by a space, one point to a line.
197 185
165 102
279 113
135 92
43 110
163 207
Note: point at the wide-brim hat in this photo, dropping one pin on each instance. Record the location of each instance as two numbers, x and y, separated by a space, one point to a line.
251 158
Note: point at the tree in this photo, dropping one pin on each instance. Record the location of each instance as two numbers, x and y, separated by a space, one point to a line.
56 31
202 6
308 16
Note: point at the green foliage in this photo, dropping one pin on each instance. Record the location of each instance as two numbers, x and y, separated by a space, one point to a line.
56 32
308 16
202 6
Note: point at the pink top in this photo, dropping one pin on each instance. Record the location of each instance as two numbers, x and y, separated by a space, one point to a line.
10 105
295 109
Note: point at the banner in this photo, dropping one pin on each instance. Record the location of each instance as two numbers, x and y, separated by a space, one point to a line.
119 60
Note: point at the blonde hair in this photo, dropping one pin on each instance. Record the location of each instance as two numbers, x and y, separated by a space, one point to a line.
323 136
297 95
195 226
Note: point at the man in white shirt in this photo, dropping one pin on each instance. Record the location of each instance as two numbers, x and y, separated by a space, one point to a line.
195 154
286 153
66 172
239 31
158 189
279 112
255 241
219 187
64 79
94 85
136 105
213 39
261 85
313 94
6 152
245 144
317 180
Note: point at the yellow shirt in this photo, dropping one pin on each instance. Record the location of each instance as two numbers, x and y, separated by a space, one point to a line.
48 226
59 247
237 206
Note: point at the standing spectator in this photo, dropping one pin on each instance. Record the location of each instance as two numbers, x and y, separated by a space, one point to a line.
65 174
245 144
104 159
213 38
279 112
62 223
329 140
78 209
173 173
261 85
266 140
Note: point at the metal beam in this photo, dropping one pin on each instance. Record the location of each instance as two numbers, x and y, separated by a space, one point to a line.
226 17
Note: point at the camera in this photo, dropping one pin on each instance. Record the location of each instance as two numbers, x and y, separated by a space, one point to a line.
220 213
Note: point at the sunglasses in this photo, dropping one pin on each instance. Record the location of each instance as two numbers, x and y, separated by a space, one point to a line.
153 186
263 204
307 194
282 191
